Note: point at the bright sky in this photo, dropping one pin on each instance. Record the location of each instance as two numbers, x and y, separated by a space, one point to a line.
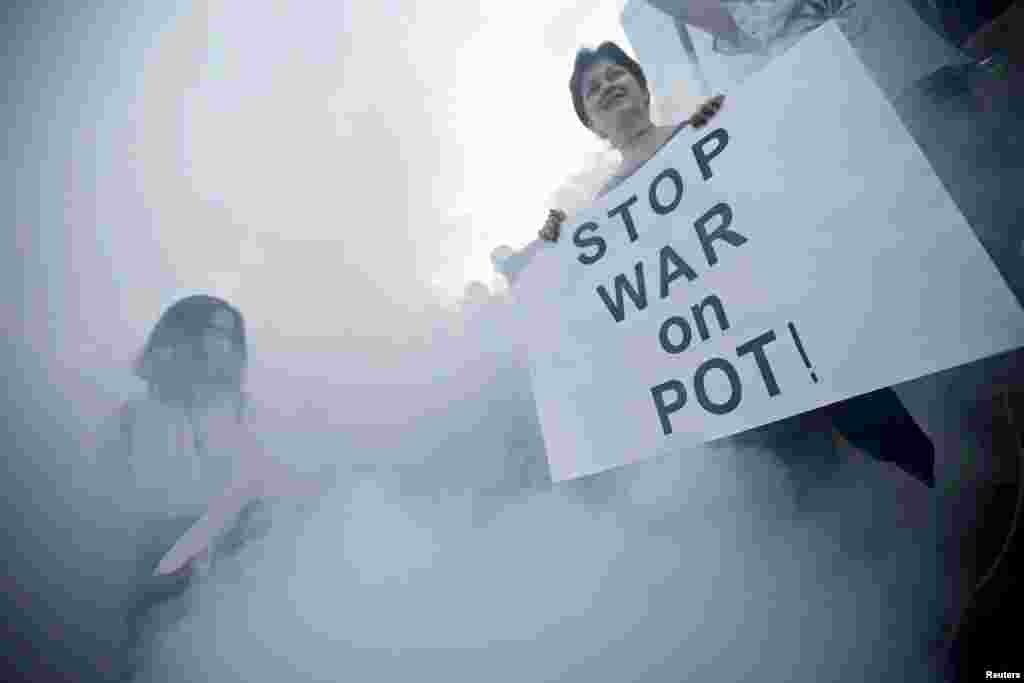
517 154
329 168
496 135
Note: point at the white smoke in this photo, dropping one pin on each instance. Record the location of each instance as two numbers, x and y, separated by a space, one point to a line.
682 568
436 562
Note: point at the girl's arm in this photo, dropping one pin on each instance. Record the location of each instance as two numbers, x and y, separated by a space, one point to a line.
259 475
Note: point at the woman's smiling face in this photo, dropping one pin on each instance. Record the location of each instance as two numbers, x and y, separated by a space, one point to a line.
609 90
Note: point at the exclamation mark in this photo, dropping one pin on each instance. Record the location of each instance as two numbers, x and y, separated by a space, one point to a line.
800 348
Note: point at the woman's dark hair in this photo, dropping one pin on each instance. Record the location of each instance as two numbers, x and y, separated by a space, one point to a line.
184 322
586 57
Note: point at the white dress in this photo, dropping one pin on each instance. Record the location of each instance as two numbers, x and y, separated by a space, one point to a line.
159 471
169 475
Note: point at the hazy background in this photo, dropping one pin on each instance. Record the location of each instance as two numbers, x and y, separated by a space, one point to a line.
340 172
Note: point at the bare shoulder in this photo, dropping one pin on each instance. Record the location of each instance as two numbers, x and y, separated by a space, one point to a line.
119 424
109 444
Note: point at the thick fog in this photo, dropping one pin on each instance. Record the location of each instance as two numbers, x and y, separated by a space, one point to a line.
315 166
689 567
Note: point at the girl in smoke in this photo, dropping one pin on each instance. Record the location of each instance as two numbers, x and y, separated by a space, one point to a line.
383 583
168 455
611 98
386 584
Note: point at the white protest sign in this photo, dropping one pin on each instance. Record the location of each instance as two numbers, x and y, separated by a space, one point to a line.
797 251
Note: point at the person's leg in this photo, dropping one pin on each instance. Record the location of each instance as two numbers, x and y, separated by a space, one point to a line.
982 167
878 424
956 20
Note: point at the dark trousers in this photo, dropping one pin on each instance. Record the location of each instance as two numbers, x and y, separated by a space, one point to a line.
956 20
878 424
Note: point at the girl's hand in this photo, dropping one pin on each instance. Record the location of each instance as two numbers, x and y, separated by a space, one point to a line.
197 542
552 226
707 111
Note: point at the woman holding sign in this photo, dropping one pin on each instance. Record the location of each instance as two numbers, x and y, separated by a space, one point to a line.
610 94
611 98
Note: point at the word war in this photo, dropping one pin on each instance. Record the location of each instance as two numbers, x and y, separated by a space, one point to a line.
672 266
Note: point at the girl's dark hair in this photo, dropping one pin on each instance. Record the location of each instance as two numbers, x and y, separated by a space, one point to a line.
184 322
586 57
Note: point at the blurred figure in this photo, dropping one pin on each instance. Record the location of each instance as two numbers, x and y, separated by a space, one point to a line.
166 456
736 38
951 76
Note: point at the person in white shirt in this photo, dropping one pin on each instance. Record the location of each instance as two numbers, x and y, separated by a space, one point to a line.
167 459
610 95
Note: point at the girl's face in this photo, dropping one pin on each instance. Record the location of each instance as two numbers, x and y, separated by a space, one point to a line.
217 345
211 355
610 92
